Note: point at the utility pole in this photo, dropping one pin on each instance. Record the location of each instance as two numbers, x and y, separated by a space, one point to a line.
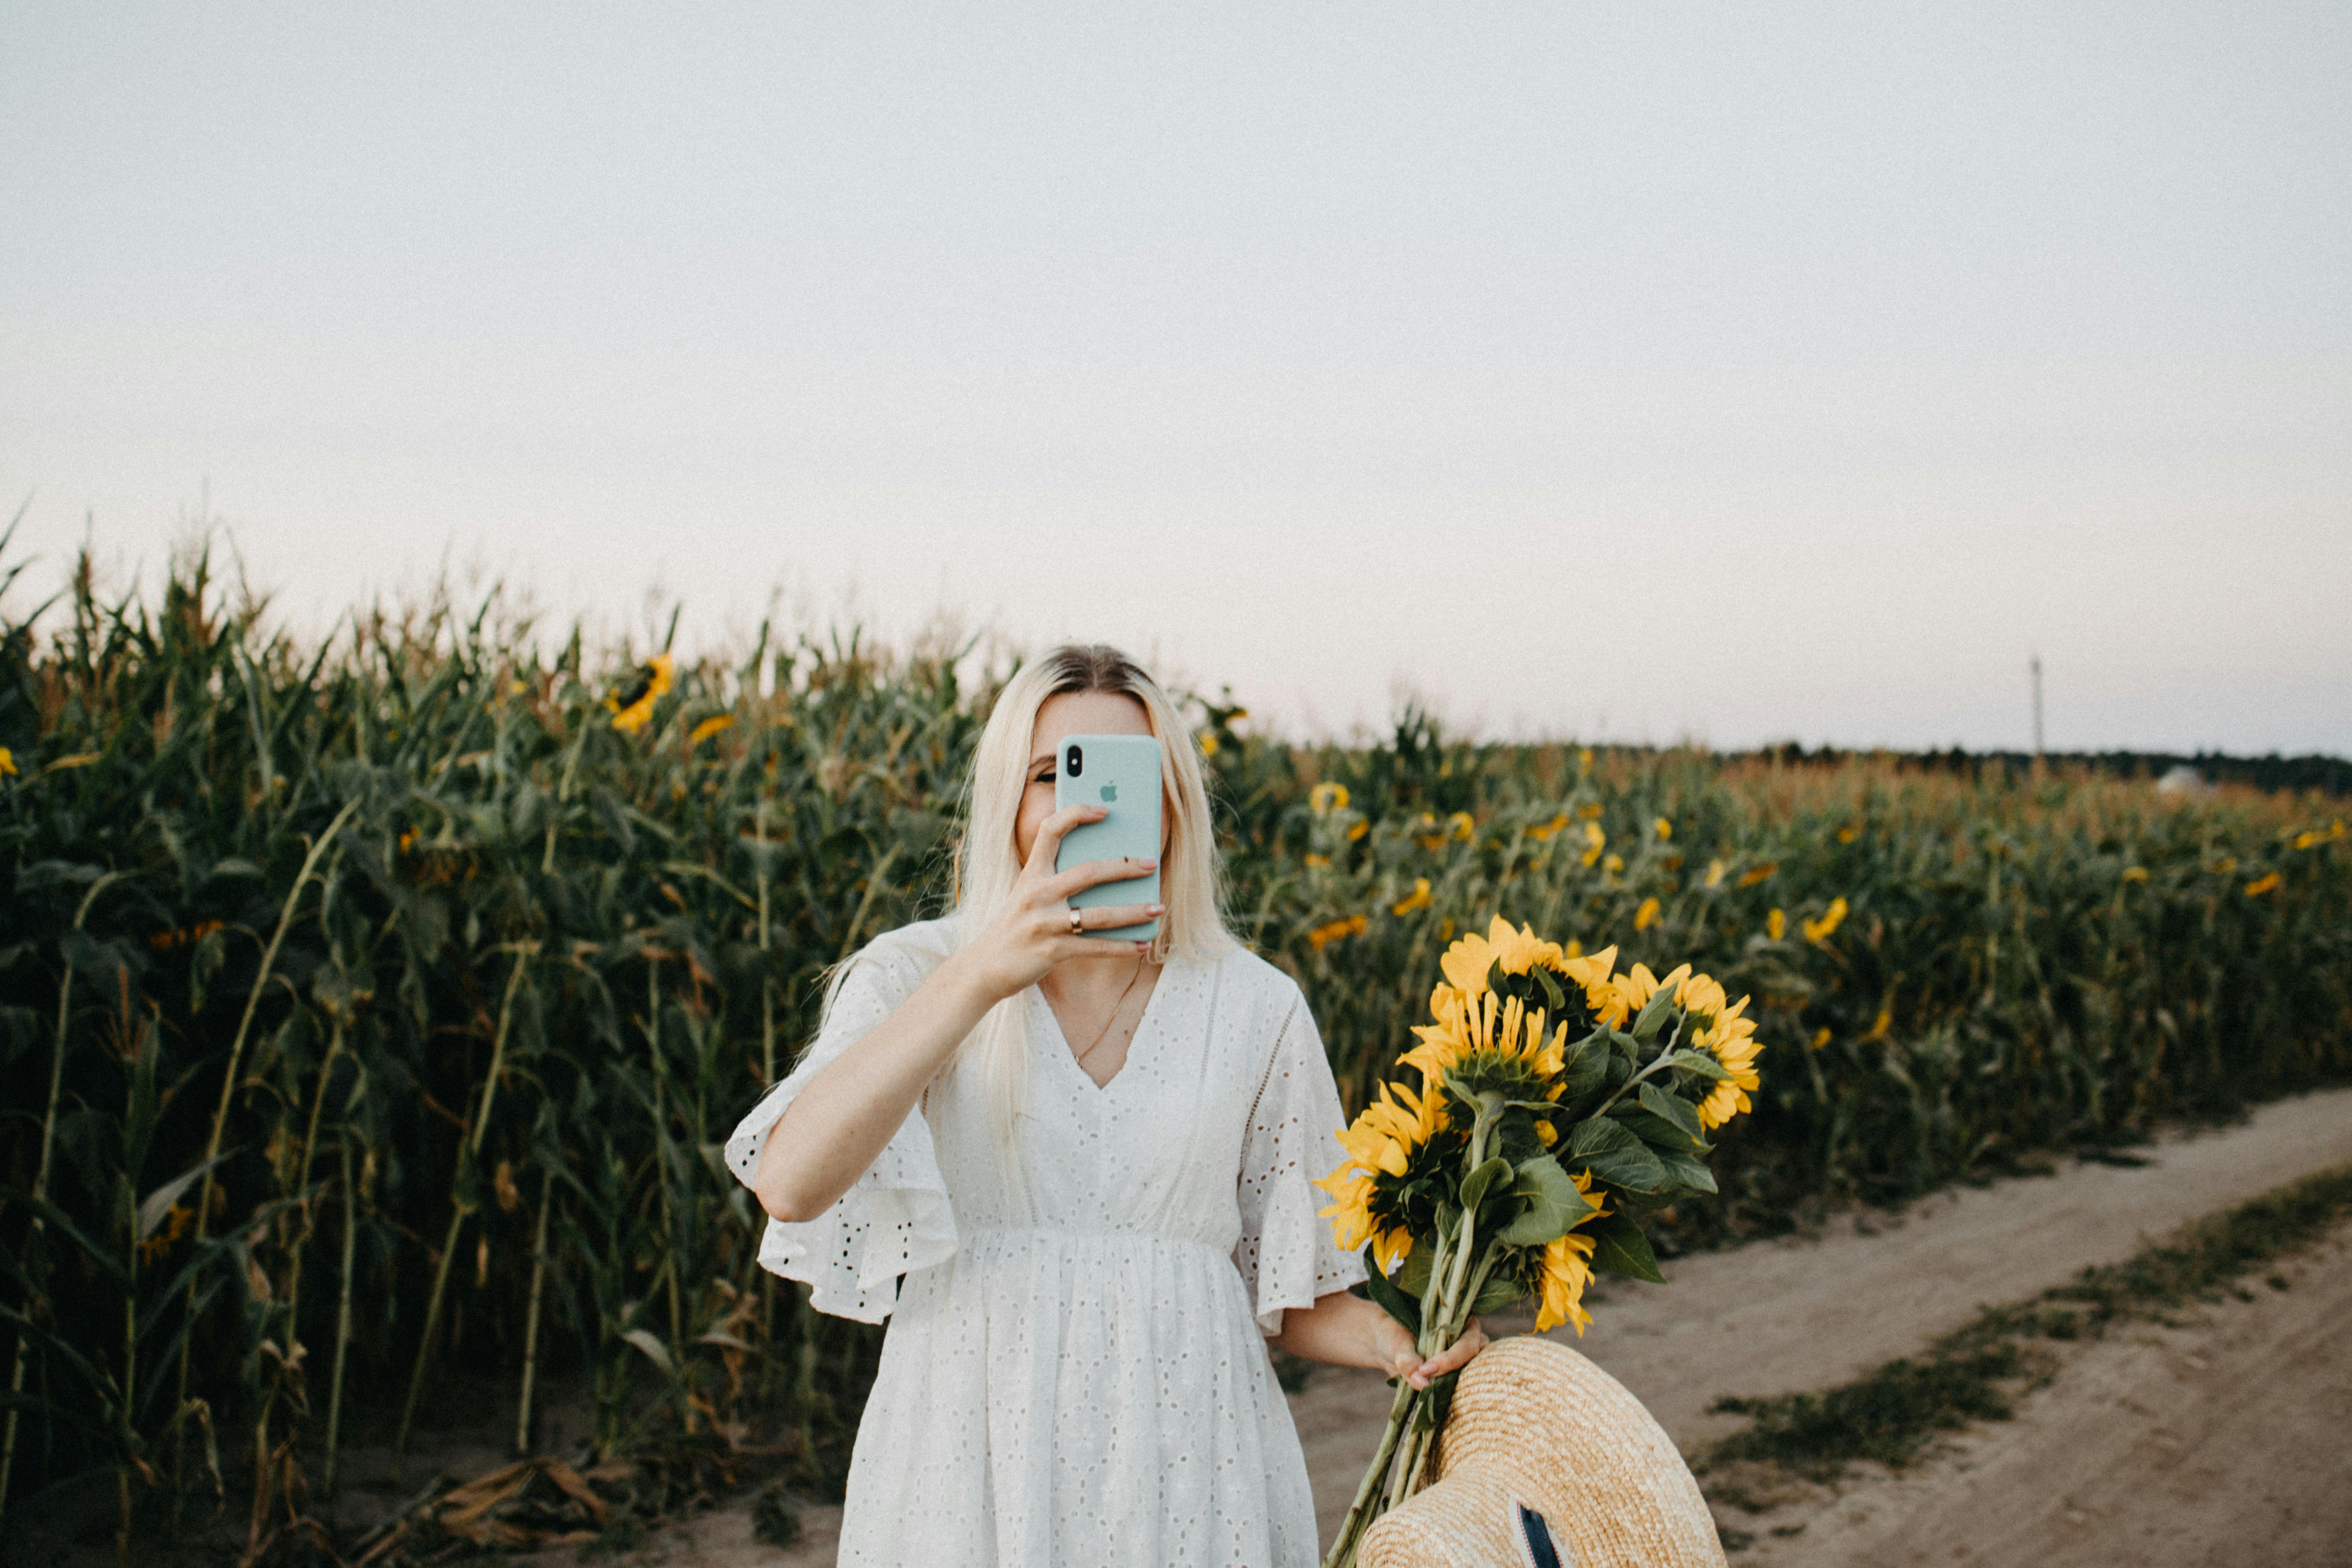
2037 707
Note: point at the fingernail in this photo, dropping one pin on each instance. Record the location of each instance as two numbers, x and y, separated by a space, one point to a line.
1156 909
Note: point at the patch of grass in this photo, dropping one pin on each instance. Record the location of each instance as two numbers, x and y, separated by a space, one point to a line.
774 1520
1890 1414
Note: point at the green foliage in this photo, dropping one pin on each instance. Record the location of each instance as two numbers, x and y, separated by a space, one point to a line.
435 990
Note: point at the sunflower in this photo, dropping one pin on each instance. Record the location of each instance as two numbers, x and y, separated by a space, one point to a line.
1564 1273
1731 1036
1468 962
1381 1141
632 706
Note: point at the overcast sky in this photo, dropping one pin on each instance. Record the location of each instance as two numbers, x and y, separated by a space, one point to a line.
1736 372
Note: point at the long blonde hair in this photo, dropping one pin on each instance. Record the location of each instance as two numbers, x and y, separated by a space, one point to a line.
987 862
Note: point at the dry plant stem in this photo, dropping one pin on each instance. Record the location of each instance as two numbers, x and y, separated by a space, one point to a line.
466 1153
342 1319
530 1320
767 1363
227 1097
41 1181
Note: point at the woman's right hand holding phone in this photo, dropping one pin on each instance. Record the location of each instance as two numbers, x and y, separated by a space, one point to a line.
848 1111
1034 932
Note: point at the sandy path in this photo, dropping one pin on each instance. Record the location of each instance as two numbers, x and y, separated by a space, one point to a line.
2224 1443
1803 1313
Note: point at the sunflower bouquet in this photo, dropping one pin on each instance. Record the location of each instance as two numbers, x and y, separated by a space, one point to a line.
1557 1100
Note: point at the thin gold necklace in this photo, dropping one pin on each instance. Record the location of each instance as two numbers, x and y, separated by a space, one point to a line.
1102 1033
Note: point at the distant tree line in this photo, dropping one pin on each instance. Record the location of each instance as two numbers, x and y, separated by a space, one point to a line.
2314 773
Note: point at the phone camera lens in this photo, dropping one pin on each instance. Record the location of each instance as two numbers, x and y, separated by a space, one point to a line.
1077 763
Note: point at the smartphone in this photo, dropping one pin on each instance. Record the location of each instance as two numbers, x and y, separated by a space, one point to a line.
1121 774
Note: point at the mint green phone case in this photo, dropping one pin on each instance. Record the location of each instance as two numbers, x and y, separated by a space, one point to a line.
1120 773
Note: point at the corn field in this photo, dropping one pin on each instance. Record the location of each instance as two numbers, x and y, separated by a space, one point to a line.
371 1015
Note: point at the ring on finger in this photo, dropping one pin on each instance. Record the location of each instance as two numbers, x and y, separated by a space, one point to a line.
1077 922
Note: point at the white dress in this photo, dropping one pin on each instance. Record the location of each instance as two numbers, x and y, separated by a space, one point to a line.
1092 1389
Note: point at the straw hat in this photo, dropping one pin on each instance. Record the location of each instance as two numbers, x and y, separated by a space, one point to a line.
1533 1422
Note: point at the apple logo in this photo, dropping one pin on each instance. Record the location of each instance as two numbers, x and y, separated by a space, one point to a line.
1110 792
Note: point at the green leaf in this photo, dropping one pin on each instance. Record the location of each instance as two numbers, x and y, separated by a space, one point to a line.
1612 1153
1674 1108
1477 1184
1413 1274
1653 1016
1395 1302
1554 1206
1553 996
1663 1136
1703 1063
1619 1248
1500 1292
1685 1171
1587 1065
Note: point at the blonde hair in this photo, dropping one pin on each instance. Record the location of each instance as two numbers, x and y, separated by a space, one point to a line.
987 862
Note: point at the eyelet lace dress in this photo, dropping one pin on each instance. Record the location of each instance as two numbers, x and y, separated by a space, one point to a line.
1086 1384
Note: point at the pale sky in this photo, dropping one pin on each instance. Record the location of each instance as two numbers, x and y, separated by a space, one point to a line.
1732 373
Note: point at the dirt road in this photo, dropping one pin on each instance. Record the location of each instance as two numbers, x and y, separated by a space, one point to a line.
2221 1443
1804 1313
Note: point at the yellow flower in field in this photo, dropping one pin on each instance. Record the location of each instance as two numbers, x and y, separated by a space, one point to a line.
1646 916
1589 810
7 764
710 727
1595 841
1544 830
1567 1270
1665 829
1613 864
1416 899
1847 834
1832 918
2134 873
1358 831
1776 925
1236 716
634 707
1821 1037
1885 1021
1327 797
1462 824
1317 862
1714 869
1756 874
1322 936
1208 745
2261 885
2225 865
2318 837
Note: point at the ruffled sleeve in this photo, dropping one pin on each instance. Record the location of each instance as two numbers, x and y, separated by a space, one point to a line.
896 1218
1288 1256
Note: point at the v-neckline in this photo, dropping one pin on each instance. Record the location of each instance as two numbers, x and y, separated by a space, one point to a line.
1071 1056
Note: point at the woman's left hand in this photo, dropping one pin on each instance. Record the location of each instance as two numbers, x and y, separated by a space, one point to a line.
1397 1357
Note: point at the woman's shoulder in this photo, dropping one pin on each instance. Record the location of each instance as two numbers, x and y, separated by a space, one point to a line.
1244 973
909 952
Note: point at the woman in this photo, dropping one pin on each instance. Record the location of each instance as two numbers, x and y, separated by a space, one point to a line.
1090 1161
